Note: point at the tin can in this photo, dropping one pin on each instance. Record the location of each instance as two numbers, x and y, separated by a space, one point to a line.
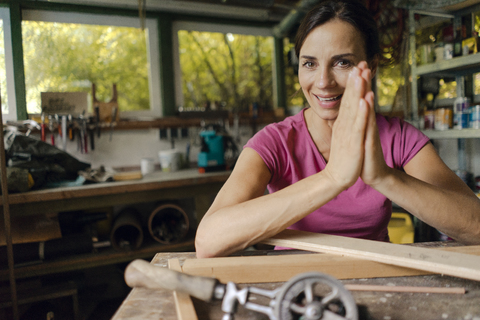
460 120
474 117
448 51
443 119
429 119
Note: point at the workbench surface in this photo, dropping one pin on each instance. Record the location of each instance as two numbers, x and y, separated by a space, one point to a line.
156 186
149 304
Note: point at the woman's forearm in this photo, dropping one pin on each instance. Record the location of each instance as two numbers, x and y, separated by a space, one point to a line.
235 227
455 212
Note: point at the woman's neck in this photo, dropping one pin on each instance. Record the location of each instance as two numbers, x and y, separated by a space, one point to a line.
320 131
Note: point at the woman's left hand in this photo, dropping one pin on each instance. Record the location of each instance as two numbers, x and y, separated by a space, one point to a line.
374 166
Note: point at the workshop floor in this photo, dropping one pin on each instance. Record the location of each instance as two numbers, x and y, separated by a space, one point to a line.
103 292
100 290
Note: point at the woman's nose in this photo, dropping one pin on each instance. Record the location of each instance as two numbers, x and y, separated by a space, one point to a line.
324 78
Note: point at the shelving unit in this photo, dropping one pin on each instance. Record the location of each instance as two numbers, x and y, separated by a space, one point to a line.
101 258
458 67
452 134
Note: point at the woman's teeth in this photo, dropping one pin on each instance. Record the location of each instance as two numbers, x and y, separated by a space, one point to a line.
329 99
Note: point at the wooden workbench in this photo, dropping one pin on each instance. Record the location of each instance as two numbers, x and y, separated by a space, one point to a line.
159 304
156 186
153 187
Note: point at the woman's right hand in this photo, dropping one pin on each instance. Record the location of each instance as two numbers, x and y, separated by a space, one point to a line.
348 132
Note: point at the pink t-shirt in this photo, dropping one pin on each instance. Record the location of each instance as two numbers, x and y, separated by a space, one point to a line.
360 211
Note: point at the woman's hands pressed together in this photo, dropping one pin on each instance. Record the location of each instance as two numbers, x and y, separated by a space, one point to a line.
355 146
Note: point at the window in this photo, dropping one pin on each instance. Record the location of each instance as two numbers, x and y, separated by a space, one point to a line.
67 52
218 65
388 80
7 89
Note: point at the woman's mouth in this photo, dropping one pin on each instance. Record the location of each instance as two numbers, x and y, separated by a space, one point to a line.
329 99
331 102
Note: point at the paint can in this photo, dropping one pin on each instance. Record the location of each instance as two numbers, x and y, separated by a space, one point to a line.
170 160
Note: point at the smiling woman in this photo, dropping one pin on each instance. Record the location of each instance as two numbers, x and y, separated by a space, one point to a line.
336 166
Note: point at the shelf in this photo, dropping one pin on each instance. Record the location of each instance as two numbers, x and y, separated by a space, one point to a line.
102 258
454 67
452 134
156 186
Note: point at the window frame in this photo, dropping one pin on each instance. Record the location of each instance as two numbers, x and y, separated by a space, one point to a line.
153 54
9 72
178 25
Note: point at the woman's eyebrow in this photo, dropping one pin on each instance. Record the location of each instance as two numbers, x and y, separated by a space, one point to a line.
344 55
308 57
335 57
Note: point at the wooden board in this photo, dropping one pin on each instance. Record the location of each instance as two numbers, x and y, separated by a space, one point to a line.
33 228
183 302
129 175
63 103
280 268
449 263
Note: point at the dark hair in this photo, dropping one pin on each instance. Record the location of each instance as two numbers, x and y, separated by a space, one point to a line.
351 11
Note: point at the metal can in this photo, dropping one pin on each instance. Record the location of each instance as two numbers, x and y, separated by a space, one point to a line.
443 118
474 117
448 51
429 119
460 120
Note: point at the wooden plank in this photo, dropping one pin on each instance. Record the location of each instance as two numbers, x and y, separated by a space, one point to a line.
370 287
280 268
443 262
183 302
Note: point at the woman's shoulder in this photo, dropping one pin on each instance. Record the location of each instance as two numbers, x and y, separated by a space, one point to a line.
394 125
294 123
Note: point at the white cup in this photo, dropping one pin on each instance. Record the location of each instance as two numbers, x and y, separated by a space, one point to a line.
147 166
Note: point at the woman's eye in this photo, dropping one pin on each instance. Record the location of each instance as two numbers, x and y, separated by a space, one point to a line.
308 64
344 63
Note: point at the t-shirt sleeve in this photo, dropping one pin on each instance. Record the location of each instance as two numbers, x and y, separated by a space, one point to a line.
266 144
414 141
403 138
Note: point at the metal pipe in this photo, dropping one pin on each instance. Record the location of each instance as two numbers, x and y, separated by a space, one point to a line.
295 15
127 233
168 223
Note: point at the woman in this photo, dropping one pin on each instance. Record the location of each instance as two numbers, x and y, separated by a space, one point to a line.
336 166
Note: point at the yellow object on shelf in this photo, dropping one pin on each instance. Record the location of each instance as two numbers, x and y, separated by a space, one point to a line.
400 228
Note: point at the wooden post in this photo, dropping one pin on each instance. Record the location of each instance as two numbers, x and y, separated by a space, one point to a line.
6 219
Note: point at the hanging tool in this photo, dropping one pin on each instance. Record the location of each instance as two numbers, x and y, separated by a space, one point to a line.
97 120
71 127
43 137
51 127
91 133
114 117
64 132
309 296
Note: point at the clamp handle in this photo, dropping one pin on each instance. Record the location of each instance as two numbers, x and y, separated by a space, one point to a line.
140 273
